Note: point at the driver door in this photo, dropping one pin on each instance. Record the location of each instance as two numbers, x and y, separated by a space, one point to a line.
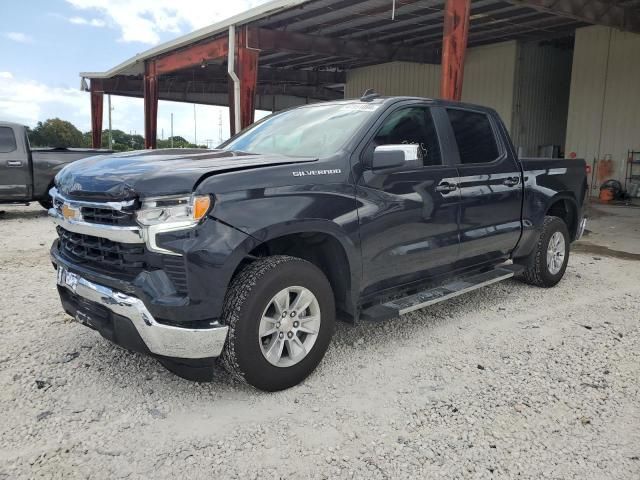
409 215
15 171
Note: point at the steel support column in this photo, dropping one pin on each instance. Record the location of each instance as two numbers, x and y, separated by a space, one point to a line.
454 48
247 71
97 102
150 105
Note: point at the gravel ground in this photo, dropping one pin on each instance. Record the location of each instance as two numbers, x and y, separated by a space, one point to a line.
507 382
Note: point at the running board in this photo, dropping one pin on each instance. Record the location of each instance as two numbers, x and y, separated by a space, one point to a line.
423 299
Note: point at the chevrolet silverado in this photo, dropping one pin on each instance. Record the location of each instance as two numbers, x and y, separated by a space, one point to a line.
360 209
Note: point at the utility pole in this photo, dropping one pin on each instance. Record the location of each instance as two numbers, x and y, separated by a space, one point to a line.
195 126
220 128
110 135
172 130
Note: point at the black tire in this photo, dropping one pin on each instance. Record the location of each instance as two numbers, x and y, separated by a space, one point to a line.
46 204
248 296
536 271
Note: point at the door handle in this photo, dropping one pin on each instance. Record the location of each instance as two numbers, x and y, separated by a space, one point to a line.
511 181
14 163
446 187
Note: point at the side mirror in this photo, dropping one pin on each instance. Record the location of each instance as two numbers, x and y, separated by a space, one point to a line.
396 156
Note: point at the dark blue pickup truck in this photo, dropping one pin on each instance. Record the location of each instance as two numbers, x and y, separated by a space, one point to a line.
361 210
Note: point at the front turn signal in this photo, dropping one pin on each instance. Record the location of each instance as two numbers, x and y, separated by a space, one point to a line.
201 205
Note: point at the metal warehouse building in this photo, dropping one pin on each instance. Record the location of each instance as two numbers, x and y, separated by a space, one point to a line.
563 74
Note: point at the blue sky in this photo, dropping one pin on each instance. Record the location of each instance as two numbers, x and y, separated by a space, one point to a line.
46 43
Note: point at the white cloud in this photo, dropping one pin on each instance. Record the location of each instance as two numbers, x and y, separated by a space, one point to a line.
19 37
28 101
94 22
145 20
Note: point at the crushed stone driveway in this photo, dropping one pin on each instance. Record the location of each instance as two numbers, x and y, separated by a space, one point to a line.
510 381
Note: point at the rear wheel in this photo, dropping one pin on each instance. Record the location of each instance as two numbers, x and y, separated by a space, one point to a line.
281 313
545 266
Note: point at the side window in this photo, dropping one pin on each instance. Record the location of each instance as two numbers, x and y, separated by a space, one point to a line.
474 136
7 140
410 126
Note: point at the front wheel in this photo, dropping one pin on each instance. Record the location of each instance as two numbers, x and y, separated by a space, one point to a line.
545 266
281 313
46 203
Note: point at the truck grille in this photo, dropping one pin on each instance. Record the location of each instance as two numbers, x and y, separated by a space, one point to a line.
101 253
108 216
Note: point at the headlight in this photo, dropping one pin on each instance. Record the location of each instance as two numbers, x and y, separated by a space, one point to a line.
168 214
173 210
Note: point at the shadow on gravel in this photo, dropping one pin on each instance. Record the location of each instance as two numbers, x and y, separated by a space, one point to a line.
587 247
8 213
347 341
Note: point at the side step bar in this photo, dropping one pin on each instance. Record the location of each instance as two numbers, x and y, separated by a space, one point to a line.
423 299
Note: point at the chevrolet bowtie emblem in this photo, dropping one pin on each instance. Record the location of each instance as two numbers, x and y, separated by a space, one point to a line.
70 213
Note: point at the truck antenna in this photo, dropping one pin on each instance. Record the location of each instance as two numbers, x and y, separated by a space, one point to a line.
369 95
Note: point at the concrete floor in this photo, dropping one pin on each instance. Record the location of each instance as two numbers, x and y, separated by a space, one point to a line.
612 230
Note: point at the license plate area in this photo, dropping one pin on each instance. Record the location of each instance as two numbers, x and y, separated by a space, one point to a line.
67 279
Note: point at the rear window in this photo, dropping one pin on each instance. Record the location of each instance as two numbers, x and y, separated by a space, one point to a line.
7 140
474 136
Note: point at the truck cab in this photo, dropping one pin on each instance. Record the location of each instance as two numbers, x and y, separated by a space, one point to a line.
27 174
15 169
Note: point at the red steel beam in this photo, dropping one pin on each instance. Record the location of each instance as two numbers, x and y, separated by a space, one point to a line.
247 71
150 105
248 74
192 56
454 48
97 102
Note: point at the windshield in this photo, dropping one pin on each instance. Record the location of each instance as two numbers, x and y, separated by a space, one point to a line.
311 131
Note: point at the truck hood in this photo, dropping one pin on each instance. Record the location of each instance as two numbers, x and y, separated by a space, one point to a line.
149 173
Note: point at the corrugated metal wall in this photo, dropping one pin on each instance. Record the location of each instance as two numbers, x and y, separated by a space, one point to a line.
604 106
396 78
543 79
488 78
489 74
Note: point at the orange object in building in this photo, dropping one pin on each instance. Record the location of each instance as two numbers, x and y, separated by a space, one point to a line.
604 170
606 195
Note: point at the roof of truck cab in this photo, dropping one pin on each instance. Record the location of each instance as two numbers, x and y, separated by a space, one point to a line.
11 124
387 100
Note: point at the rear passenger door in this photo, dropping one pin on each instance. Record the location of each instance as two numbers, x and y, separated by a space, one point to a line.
408 216
15 171
490 188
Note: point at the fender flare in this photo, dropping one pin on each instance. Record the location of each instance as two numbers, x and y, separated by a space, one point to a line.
575 210
352 254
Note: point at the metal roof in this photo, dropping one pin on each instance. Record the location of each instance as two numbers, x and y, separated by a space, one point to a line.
132 65
417 24
300 75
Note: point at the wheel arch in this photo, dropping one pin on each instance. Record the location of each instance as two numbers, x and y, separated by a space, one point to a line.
320 242
564 206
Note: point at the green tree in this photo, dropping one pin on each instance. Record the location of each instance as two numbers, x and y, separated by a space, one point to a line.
178 142
55 132
60 133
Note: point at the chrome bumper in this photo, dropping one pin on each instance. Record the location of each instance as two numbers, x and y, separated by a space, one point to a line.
160 339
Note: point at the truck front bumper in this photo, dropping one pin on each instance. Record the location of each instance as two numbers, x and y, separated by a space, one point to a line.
126 321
